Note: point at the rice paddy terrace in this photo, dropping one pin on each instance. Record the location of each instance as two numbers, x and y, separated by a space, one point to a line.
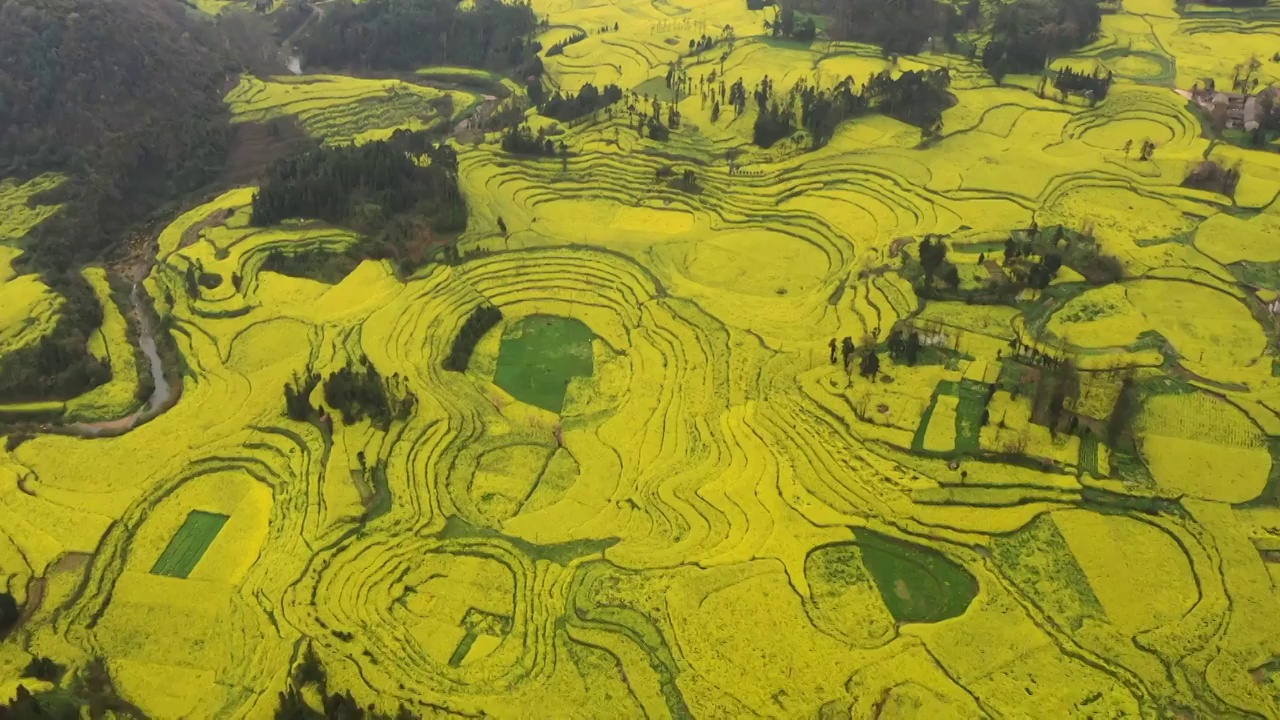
654 490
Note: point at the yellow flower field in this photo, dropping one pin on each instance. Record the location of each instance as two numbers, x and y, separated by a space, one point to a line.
28 309
19 212
341 109
110 343
1059 502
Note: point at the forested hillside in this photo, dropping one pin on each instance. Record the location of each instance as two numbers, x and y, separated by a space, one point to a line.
1023 33
123 96
408 34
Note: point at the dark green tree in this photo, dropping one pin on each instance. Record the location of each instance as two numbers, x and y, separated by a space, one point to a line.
870 364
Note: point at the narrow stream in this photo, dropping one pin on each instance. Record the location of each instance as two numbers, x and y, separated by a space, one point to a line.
161 395
163 391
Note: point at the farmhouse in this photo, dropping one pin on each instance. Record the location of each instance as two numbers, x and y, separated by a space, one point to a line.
1243 111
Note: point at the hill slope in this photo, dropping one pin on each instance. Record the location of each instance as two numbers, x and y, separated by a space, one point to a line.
123 97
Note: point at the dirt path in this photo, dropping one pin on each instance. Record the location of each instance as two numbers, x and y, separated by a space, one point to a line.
293 62
476 116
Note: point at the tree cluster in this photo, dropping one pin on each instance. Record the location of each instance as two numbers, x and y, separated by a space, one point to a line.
903 26
917 97
1270 119
775 120
364 186
480 321
1213 177
904 347
1032 259
361 392
9 613
409 34
1126 408
287 18
333 705
322 265
558 48
656 130
91 693
297 396
1026 33
58 366
786 26
686 181
933 260
1094 85
701 45
1029 271
1057 384
589 99
520 140
869 365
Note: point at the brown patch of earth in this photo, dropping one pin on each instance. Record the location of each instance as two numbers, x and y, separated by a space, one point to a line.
901 590
73 562
192 234
257 145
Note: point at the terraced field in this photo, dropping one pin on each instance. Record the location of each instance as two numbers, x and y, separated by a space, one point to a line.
344 110
655 490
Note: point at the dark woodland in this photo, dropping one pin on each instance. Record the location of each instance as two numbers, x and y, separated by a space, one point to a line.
410 34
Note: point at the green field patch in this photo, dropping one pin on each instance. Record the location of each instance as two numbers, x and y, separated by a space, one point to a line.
1089 455
918 584
656 87
1270 496
593 609
1142 67
189 544
539 355
43 411
1260 274
973 401
1038 562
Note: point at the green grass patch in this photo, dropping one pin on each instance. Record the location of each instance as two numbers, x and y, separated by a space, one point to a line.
1259 274
918 584
1270 496
540 354
1126 464
320 264
381 502
189 544
1089 454
44 411
1037 560
656 87
973 401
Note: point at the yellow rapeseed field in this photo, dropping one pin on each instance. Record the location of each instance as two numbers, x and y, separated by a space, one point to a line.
111 345
20 210
341 109
658 488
